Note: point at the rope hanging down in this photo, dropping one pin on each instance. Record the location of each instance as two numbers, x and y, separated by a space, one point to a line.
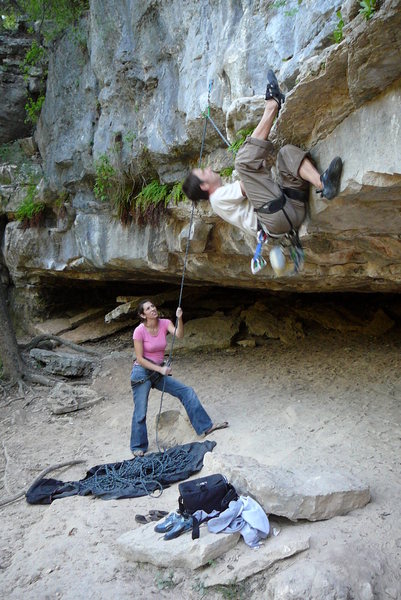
207 117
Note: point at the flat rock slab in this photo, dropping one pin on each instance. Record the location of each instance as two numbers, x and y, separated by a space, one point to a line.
66 398
146 546
52 326
61 363
312 495
242 562
96 330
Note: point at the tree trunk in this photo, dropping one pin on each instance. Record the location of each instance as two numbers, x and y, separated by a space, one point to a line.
9 353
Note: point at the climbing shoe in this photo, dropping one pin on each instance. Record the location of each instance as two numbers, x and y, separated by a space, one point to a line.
273 90
168 523
331 179
180 527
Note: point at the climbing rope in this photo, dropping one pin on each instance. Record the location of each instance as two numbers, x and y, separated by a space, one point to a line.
207 117
297 259
147 474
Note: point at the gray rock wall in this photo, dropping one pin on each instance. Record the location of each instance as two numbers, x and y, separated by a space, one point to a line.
132 85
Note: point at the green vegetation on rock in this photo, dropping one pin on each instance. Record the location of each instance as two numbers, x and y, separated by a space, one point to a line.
48 20
104 178
226 172
30 212
240 138
338 32
146 205
368 7
33 108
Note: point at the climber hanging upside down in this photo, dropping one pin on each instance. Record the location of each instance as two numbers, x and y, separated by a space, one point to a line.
257 204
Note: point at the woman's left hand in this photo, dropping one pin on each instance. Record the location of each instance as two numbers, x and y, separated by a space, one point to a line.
178 312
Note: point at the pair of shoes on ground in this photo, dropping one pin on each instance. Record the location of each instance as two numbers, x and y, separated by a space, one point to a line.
153 515
215 427
273 90
331 179
174 526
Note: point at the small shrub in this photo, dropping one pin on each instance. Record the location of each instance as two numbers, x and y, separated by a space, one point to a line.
165 582
240 138
104 179
338 32
151 202
367 9
176 194
227 172
6 151
34 56
33 108
118 187
234 591
9 22
122 202
30 212
129 137
292 12
60 205
153 193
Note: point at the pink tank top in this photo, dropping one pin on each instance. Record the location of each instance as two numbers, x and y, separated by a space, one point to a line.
153 345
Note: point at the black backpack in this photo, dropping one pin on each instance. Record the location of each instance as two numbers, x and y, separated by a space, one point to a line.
209 493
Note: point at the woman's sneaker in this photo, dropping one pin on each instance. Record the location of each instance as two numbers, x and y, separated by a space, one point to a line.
273 90
180 527
169 523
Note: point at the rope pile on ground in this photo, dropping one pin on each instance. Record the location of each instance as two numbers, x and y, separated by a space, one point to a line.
139 476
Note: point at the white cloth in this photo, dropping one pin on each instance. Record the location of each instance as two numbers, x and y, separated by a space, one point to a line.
244 515
231 205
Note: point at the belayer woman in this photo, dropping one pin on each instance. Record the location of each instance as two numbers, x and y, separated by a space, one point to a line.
149 370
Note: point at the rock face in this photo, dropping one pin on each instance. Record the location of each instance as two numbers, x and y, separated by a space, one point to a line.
135 92
13 87
295 495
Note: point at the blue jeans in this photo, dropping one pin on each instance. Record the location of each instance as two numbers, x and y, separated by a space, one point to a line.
141 384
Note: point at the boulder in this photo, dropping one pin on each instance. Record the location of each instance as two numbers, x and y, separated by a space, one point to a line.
66 398
312 495
208 333
261 322
144 545
61 363
334 575
242 562
173 428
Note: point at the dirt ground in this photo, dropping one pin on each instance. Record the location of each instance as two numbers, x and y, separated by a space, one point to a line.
327 401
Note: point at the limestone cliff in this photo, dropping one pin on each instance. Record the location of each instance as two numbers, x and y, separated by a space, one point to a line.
135 92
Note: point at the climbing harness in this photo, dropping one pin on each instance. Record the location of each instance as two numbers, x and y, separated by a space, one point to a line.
289 239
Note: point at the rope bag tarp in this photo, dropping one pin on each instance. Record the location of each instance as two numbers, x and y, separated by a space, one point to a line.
139 476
